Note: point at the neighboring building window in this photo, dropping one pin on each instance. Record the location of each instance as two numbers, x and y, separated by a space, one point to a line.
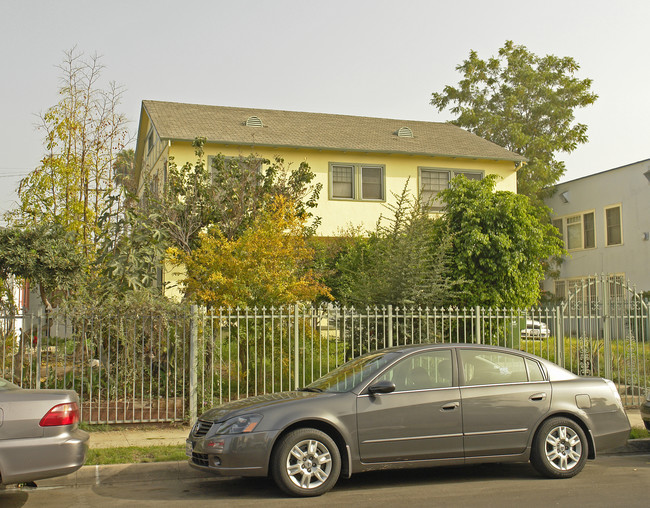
613 225
574 232
357 181
589 229
580 231
433 181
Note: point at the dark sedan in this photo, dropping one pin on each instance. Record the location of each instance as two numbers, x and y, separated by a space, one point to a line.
414 406
39 434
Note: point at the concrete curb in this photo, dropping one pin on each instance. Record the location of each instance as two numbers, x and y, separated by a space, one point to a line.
124 473
632 446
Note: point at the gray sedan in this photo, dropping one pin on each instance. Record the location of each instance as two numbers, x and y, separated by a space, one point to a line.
39 437
414 406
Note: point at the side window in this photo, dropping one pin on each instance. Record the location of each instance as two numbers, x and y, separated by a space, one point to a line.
423 371
492 367
534 370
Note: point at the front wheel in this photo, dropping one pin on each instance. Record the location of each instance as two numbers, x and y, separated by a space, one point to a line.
559 448
306 462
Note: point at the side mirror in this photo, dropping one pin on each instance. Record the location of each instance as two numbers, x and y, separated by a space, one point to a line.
381 387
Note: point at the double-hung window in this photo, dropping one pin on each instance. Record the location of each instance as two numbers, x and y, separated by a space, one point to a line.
364 182
434 180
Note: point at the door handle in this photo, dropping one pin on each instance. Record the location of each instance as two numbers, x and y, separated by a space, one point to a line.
451 406
536 397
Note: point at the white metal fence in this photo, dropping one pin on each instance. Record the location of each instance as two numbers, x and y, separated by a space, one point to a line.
169 368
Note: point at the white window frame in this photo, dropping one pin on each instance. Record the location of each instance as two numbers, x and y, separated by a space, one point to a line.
451 174
357 181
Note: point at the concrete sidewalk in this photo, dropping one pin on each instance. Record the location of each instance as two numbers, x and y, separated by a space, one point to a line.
125 437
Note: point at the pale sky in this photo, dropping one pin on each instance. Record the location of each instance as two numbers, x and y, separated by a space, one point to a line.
359 57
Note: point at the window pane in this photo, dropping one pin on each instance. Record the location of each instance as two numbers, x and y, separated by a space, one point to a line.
613 225
432 183
574 232
534 371
342 182
590 231
423 371
371 183
488 367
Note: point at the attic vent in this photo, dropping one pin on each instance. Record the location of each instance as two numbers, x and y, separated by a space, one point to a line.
254 121
405 132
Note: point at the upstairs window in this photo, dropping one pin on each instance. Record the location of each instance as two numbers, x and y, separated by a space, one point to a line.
433 181
580 231
613 225
357 182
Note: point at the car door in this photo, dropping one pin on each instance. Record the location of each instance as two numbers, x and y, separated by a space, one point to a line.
421 419
503 396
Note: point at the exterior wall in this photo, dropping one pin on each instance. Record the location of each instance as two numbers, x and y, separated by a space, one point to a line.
627 187
339 214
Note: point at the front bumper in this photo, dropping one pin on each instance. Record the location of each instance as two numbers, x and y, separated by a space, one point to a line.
31 459
232 455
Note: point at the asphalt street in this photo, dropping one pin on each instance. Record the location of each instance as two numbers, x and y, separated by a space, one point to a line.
614 480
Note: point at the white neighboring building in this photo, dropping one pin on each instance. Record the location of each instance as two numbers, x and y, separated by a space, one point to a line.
605 223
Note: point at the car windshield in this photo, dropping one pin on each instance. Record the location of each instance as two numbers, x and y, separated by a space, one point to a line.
6 385
350 374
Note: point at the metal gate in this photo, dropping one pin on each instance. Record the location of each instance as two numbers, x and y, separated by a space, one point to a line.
605 324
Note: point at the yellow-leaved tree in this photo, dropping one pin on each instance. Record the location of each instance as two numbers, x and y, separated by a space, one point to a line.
268 265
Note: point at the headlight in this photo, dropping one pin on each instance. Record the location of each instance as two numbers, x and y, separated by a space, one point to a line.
239 424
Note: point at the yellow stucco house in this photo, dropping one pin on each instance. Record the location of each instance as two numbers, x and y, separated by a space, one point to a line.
360 161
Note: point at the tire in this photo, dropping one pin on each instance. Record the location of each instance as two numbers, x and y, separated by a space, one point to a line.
647 424
560 448
306 462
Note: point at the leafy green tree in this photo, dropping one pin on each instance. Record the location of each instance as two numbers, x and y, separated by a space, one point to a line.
499 243
525 103
41 254
403 261
229 195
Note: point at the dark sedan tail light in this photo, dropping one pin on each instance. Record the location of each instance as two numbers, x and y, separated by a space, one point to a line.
61 414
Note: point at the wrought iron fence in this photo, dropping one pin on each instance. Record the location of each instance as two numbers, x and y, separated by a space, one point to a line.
169 368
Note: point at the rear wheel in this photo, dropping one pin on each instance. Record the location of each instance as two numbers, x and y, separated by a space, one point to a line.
306 462
647 424
559 448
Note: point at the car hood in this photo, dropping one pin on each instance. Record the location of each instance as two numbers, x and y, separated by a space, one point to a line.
256 404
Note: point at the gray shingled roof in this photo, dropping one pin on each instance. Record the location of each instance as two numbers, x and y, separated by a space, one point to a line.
227 125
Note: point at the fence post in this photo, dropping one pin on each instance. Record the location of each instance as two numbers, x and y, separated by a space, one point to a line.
194 335
607 330
296 346
559 336
477 324
390 325
38 347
